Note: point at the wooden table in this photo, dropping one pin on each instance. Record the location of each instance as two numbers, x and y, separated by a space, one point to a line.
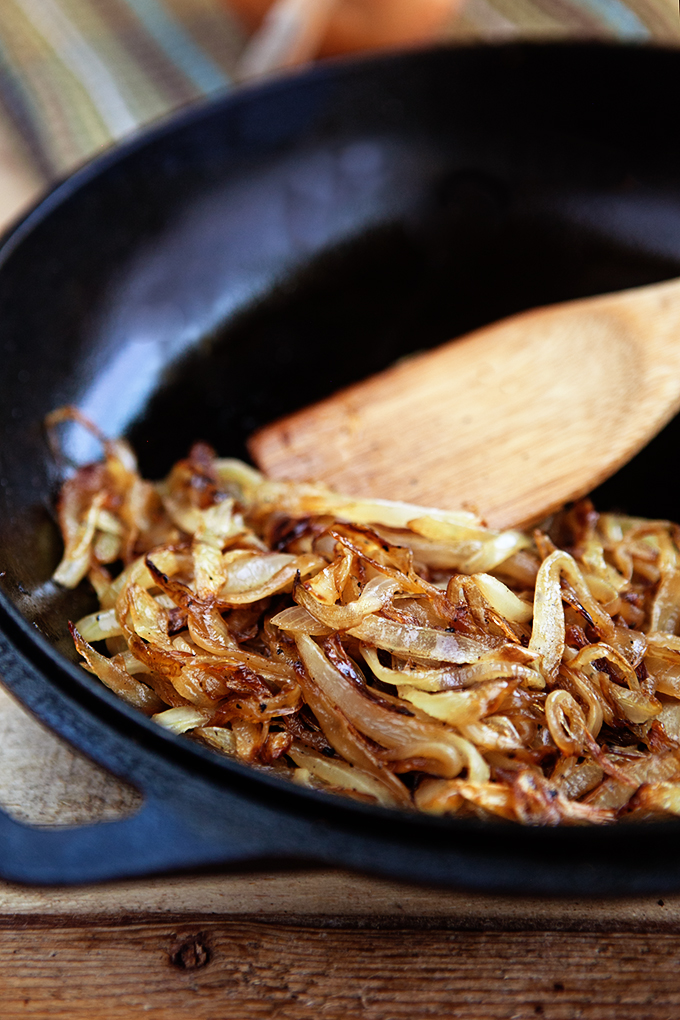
302 944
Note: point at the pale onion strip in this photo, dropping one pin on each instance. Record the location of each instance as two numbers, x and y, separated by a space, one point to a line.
664 644
76 560
448 678
328 585
252 571
566 722
149 620
392 513
130 663
99 626
282 580
117 679
592 697
471 549
235 472
613 793
303 499
106 547
496 733
503 599
386 726
346 739
197 686
458 708
605 593
169 561
451 532
521 568
593 557
108 522
438 797
179 720
478 770
423 679
496 551
486 549
209 568
208 630
295 618
218 737
497 798
591 653
340 774
574 780
631 644
548 631
659 797
428 751
436 555
669 717
188 518
377 592
141 505
666 674
636 706
665 613
218 523
423 642
249 738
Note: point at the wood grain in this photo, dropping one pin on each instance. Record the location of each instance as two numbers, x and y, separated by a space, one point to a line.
222 971
513 420
43 782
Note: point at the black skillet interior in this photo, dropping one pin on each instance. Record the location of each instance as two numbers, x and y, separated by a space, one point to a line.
254 256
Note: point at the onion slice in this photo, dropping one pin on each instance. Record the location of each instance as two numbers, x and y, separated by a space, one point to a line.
422 642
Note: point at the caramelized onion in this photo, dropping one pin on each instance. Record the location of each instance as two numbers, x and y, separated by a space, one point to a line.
394 729
421 642
343 642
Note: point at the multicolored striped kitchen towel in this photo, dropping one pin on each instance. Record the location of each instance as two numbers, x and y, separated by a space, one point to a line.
628 20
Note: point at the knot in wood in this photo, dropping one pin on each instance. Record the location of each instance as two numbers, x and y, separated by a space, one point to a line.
190 953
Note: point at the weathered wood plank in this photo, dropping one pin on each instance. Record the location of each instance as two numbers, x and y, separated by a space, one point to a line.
325 898
44 782
243 971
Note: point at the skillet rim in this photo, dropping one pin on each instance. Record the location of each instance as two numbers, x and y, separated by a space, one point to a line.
129 724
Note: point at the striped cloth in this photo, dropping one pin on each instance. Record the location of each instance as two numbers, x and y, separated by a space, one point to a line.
77 75
628 20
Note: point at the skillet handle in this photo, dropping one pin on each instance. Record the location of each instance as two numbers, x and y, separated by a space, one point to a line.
155 839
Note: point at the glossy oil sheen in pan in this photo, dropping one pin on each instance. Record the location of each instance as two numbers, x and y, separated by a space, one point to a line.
256 255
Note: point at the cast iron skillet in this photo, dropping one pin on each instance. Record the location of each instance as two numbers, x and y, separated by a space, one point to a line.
255 255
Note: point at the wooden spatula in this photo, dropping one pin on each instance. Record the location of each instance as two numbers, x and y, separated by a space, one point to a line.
512 420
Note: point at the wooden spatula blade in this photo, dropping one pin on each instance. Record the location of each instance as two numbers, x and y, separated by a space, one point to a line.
512 420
